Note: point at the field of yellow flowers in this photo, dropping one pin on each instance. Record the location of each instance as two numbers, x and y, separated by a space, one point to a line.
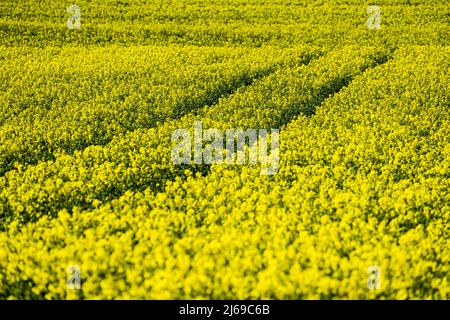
91 92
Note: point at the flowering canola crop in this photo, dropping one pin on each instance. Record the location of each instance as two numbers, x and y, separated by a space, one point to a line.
87 180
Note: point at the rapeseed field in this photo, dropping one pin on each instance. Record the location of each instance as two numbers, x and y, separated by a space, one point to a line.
346 101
